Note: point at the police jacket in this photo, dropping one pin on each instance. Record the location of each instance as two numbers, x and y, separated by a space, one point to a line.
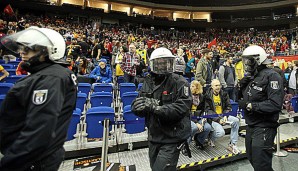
265 92
35 115
172 124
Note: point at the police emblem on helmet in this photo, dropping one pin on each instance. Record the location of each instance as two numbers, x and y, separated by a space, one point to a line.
39 96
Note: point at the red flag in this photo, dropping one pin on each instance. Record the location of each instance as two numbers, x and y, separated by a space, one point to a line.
213 42
8 10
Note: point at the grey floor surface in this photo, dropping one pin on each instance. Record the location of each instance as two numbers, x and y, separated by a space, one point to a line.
140 157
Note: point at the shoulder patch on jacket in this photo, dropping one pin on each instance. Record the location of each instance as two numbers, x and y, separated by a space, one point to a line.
39 96
274 85
185 91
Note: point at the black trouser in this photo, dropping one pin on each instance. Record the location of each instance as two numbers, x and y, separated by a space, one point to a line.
50 163
163 157
259 144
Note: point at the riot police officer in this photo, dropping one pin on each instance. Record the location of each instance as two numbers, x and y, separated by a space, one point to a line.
261 93
35 115
164 100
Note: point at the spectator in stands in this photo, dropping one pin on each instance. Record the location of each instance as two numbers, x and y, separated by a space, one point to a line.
204 69
293 80
228 78
97 50
69 59
5 73
129 62
190 66
200 129
164 100
289 67
218 102
20 70
82 66
102 73
180 63
118 61
37 110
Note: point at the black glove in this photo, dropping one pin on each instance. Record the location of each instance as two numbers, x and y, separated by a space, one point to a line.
242 104
244 81
144 104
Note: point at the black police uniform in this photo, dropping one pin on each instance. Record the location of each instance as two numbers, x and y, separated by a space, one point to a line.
265 93
171 126
34 119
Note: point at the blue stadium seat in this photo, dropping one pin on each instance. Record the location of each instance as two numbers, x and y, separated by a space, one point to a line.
130 116
101 99
187 79
140 86
234 108
192 78
120 79
102 87
75 119
2 97
14 78
294 102
94 119
14 63
2 61
126 87
11 71
4 87
81 100
128 97
7 66
84 88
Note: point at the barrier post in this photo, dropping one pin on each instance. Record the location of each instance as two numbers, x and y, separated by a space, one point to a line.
105 143
279 152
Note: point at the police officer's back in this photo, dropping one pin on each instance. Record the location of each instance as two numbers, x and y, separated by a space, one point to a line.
262 98
165 102
36 112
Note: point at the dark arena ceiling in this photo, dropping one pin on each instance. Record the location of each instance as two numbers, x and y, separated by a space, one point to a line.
206 3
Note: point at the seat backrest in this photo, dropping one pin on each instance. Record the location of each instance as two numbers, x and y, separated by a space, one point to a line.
94 118
234 108
126 87
102 87
128 97
101 99
14 78
84 88
4 87
75 119
11 71
81 100
130 116
2 97
294 102
14 63
7 66
140 86
120 79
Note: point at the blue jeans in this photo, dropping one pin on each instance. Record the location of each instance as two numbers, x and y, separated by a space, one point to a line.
231 92
201 135
218 130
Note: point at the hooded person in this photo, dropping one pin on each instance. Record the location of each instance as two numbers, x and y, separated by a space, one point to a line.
102 73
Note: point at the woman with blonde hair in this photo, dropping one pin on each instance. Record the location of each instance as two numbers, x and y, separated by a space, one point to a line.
200 129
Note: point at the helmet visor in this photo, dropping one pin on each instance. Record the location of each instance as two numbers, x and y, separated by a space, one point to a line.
163 65
24 40
249 64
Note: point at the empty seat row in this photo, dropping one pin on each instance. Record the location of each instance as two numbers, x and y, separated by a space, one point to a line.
95 116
